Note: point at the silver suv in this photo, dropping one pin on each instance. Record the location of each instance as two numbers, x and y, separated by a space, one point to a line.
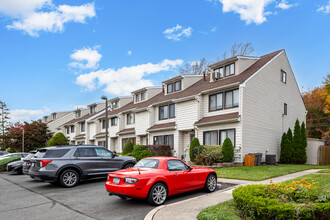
69 164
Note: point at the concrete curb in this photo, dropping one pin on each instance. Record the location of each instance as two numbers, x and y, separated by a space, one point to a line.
151 214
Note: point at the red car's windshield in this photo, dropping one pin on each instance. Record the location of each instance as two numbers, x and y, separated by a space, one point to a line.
148 163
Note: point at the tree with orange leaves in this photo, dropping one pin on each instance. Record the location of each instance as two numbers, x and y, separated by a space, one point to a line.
317 102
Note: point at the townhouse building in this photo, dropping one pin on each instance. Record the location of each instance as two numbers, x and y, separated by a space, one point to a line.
56 119
250 100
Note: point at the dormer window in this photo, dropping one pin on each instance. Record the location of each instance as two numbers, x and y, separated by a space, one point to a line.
224 71
230 69
143 96
114 105
54 116
78 114
92 109
137 98
174 87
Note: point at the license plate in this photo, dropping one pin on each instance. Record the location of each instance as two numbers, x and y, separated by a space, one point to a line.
116 180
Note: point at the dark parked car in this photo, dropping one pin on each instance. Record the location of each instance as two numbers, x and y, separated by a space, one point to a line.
21 155
3 153
69 164
27 162
15 167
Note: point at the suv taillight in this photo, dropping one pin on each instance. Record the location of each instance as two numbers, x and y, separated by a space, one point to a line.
44 162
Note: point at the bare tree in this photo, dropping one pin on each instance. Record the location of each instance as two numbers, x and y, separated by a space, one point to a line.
242 49
195 68
4 124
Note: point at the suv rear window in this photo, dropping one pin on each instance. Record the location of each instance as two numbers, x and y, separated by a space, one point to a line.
58 153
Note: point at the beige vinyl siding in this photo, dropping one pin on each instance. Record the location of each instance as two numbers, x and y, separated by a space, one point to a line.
113 130
141 122
186 114
91 130
264 96
188 81
152 92
52 126
243 64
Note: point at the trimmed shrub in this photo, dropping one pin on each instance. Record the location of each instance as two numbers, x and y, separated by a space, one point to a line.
139 148
277 201
128 147
11 150
142 154
57 139
286 151
194 143
4 162
227 151
208 154
214 152
160 150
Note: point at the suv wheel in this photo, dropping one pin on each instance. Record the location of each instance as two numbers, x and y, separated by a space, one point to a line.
69 178
128 166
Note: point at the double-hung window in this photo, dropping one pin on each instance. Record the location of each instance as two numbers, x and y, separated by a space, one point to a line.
215 102
130 118
232 98
230 69
166 111
174 87
283 76
114 121
143 96
229 133
217 137
104 122
211 138
72 128
137 97
82 127
68 130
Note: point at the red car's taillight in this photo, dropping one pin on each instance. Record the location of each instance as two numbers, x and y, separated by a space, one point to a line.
44 162
130 180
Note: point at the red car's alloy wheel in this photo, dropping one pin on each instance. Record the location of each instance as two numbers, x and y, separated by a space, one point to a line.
157 194
211 183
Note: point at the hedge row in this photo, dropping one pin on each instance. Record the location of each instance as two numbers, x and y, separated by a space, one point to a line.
142 151
4 162
255 204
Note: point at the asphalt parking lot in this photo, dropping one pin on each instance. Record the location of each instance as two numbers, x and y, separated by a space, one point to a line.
25 198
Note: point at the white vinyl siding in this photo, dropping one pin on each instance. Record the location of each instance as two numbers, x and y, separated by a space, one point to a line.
187 114
262 113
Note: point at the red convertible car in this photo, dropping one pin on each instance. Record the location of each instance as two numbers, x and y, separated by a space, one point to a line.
156 178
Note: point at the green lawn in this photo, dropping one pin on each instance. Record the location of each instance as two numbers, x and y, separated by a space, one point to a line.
263 172
324 171
228 211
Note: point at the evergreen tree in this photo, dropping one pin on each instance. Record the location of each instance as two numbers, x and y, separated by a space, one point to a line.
290 138
58 139
227 151
303 142
128 147
297 155
286 151
194 143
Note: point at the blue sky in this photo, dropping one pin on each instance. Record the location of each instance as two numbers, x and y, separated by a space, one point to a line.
57 55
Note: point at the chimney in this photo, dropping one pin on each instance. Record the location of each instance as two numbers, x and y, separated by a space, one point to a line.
163 89
204 77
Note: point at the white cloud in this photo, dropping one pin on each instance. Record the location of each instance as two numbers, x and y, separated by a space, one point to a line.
79 106
34 16
284 5
175 33
126 79
325 9
129 52
27 115
214 29
86 58
250 11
